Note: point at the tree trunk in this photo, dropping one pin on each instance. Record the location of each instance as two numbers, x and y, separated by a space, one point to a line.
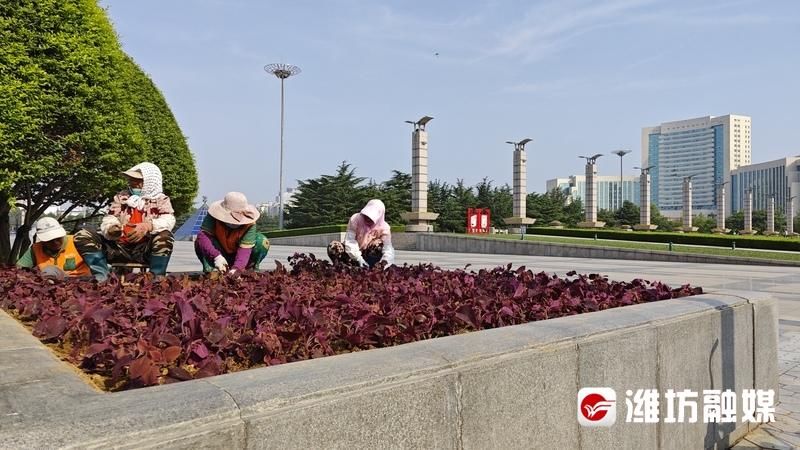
22 241
5 230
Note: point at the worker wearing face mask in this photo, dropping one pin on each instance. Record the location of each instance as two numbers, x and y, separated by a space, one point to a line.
229 239
137 228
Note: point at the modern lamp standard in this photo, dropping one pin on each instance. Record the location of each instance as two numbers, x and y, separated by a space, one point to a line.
620 153
282 71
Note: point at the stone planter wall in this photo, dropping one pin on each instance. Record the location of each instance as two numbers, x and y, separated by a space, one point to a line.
512 387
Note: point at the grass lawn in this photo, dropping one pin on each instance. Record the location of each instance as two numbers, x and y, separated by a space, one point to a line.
720 251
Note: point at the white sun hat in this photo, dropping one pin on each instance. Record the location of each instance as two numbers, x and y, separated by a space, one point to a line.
48 228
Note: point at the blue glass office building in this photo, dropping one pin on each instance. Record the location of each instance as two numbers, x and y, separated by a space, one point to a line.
705 148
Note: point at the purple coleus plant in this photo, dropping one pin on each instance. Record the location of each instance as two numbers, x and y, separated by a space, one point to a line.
147 332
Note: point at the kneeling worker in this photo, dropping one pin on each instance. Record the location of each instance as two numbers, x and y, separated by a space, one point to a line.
228 239
54 252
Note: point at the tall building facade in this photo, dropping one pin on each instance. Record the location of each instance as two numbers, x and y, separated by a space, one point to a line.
707 148
607 189
779 178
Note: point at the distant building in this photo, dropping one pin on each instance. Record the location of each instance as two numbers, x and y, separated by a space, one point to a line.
780 178
707 147
272 209
607 185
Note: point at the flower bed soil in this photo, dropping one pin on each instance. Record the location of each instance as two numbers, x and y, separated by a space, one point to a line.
147 332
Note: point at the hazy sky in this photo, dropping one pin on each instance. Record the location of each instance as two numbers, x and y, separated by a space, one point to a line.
577 76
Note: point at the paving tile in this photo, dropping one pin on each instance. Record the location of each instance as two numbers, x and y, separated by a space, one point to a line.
745 445
768 439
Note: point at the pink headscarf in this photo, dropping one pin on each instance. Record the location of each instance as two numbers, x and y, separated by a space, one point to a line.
365 232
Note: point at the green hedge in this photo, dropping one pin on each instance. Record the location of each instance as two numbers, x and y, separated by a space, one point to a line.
324 229
714 240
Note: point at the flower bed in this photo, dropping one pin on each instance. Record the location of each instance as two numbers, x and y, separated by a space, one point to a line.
149 332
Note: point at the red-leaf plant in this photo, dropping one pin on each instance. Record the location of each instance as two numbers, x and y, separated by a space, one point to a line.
149 332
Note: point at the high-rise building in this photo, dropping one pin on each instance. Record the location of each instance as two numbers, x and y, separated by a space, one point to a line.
607 189
707 148
779 178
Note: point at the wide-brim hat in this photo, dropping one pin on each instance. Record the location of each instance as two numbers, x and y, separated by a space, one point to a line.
234 209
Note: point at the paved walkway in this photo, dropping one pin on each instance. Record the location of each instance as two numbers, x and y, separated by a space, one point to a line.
783 283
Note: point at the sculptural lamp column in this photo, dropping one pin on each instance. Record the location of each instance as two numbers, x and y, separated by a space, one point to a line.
687 205
720 229
748 212
419 219
644 195
519 221
771 217
590 198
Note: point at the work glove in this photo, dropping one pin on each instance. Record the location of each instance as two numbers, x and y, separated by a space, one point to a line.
114 232
138 233
221 264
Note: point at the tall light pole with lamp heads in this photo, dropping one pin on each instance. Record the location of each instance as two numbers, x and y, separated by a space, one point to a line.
282 71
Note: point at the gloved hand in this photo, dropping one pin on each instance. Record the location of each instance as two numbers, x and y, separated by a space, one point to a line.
141 230
111 228
114 232
221 264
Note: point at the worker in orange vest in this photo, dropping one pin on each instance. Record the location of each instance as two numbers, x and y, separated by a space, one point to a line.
54 252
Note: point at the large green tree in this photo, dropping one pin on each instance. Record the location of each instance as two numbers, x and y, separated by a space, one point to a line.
553 206
499 200
628 214
74 112
328 199
163 142
66 128
396 195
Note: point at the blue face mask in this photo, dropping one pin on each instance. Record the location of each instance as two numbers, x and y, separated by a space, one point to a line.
135 191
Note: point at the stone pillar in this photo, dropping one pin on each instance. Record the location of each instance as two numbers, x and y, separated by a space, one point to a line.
720 229
771 217
748 212
419 218
590 199
687 205
519 220
789 216
644 202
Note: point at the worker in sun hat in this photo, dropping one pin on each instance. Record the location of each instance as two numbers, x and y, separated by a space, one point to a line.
229 240
137 228
368 240
54 252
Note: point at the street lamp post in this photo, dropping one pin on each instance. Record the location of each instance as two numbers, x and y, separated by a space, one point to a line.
282 71
620 153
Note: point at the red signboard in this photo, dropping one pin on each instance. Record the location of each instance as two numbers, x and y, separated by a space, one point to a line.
478 220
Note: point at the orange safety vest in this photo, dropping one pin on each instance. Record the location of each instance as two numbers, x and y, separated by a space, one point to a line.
68 259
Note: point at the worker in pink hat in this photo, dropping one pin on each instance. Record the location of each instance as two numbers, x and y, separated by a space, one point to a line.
368 240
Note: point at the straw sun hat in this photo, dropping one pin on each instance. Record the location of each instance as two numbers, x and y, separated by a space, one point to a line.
234 209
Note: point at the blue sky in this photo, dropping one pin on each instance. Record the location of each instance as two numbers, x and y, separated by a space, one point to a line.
577 76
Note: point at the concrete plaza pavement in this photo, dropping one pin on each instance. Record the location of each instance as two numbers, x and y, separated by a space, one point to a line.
783 283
